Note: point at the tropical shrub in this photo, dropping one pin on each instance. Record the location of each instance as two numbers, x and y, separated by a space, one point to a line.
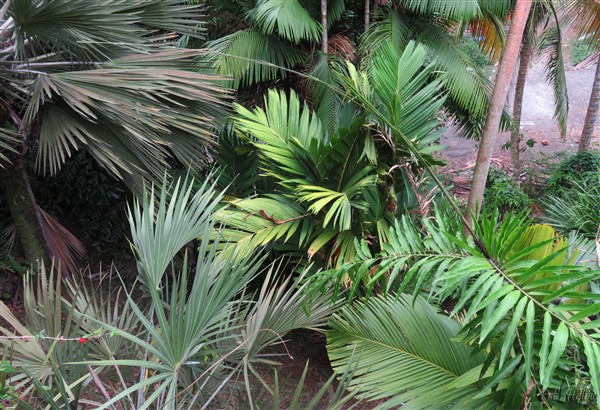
580 168
523 299
331 189
182 341
576 209
503 193
472 48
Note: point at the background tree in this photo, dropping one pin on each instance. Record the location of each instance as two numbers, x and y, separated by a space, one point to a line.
583 19
492 123
543 33
591 114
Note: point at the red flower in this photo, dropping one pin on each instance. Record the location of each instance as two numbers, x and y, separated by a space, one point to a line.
82 340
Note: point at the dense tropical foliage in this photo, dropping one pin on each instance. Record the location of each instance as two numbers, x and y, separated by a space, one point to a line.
254 168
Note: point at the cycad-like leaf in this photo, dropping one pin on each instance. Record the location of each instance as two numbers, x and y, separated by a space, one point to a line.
405 354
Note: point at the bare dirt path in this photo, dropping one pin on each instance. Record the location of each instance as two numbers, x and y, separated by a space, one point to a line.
537 122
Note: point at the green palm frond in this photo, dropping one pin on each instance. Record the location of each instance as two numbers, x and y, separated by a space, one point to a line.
325 100
250 56
239 165
499 8
522 301
551 45
453 10
260 221
288 134
411 101
288 17
405 354
463 80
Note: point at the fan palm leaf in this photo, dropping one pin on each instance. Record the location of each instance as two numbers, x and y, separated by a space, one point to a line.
291 20
447 10
113 113
92 31
250 56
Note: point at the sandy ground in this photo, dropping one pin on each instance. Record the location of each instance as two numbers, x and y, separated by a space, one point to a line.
537 122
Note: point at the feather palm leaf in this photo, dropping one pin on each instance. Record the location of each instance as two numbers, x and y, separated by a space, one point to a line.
405 354
513 295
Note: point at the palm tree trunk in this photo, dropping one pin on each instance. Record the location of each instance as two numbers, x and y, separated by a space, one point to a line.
367 14
501 85
592 112
324 38
14 183
375 9
515 136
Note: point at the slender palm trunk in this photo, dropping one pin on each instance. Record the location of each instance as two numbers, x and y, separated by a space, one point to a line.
501 85
367 14
515 136
14 183
375 9
324 38
592 112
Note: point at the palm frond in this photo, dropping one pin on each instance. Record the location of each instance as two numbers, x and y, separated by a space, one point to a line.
453 10
551 45
490 34
506 293
118 113
583 18
238 165
288 17
250 56
260 221
463 81
286 132
405 354
91 31
161 226
64 247
8 138
575 210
